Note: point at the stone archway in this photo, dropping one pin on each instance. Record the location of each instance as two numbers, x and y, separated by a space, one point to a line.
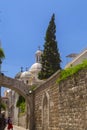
23 89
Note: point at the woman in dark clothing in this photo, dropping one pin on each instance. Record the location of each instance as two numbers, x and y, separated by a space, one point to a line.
10 126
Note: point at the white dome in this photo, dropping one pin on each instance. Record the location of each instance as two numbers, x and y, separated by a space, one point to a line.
26 74
38 52
36 67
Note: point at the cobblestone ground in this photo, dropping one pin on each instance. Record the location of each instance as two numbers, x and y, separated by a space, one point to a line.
17 128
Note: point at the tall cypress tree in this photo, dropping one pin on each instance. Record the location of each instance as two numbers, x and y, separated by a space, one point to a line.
50 58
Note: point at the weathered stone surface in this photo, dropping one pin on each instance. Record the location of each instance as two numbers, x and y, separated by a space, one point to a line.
66 106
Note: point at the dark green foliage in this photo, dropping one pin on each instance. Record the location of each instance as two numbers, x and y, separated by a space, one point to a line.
50 57
2 55
20 101
21 104
3 106
22 107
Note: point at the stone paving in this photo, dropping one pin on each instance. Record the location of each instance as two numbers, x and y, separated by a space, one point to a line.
17 128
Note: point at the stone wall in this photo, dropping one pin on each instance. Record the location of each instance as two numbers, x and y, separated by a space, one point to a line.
22 121
62 106
46 105
73 102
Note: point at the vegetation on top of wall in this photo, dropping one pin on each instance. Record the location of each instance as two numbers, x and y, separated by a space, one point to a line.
72 70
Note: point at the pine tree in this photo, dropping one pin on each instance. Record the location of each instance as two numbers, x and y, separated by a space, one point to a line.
50 57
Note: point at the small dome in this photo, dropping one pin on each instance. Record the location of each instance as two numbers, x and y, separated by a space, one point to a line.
23 74
35 67
38 52
18 75
26 74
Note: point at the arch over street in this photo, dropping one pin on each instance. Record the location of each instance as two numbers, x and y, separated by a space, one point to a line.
21 88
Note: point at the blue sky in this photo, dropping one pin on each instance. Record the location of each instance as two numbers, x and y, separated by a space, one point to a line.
23 25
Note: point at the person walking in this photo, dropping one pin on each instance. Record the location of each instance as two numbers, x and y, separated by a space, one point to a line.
10 125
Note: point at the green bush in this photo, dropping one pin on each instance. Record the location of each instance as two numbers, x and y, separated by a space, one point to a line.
21 104
22 107
20 100
3 106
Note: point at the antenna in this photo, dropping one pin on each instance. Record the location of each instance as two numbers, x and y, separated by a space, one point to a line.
39 47
21 69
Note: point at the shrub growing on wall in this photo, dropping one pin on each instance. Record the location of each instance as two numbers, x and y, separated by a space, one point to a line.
71 70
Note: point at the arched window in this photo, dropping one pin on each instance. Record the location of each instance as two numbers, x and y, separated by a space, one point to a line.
45 111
